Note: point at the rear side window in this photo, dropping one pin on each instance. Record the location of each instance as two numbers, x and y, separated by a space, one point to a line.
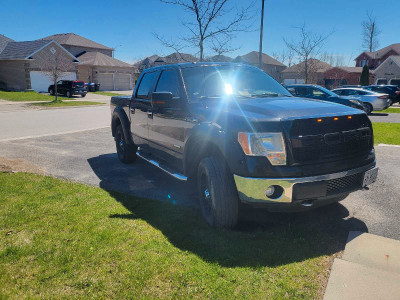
145 85
168 82
79 84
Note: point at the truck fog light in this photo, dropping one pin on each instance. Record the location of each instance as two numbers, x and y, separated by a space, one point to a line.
274 192
270 191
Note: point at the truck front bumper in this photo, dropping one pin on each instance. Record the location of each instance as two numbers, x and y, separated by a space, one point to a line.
304 191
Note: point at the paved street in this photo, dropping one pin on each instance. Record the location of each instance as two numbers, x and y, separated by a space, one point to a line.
385 118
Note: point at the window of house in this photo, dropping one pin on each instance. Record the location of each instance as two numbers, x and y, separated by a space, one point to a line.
168 82
145 85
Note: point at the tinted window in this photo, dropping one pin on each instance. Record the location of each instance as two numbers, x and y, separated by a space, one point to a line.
79 84
194 81
168 82
302 91
339 92
145 85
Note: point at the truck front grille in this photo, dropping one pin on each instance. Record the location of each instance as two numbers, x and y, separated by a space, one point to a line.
344 184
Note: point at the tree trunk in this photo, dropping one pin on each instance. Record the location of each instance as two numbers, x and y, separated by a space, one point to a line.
201 49
55 90
306 70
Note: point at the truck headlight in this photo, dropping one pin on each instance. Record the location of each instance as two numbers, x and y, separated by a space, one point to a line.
270 145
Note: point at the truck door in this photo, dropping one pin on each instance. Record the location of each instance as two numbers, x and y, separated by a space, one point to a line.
167 126
140 109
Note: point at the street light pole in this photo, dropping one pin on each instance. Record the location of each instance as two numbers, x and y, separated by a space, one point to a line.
261 35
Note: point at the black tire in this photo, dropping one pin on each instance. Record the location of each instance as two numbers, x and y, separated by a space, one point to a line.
368 108
126 152
68 94
83 95
51 92
217 191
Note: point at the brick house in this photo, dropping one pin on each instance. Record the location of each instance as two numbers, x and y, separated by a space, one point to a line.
21 64
374 59
93 62
296 73
338 76
388 72
269 65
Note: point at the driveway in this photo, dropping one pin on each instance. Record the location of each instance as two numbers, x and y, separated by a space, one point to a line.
89 157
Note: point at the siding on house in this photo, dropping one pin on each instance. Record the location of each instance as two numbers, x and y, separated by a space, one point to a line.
389 69
40 58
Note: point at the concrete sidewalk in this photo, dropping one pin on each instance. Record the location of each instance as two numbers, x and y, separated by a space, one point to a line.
369 269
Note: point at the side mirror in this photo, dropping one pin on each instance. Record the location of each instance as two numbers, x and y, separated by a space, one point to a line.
161 100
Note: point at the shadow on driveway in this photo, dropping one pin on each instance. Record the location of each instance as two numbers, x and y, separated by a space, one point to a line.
260 239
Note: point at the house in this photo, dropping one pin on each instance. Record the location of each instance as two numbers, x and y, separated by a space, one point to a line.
296 73
96 62
374 59
21 64
338 76
269 65
388 72
173 58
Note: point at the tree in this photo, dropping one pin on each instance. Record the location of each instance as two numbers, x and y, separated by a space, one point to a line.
308 46
205 23
364 78
221 47
285 57
55 66
370 33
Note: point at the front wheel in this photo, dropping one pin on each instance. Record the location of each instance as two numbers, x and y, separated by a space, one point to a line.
126 152
68 94
368 108
217 191
51 92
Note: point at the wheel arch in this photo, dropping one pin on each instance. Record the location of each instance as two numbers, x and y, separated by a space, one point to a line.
119 117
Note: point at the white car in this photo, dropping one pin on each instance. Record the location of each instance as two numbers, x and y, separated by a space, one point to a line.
371 100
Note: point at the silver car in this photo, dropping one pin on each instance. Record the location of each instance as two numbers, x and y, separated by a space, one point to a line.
371 100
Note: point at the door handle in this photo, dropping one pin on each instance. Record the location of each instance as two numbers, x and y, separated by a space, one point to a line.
150 114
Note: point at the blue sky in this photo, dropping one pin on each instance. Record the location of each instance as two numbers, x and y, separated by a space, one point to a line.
127 26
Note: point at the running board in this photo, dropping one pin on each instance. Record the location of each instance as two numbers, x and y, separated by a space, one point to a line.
163 168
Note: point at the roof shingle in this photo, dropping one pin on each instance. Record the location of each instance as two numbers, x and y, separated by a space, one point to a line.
73 39
4 41
21 50
100 59
252 58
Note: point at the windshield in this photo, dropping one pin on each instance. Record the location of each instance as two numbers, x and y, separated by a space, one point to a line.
240 81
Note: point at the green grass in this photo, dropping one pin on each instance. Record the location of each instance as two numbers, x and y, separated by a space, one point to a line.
390 110
386 133
27 96
107 94
68 240
63 103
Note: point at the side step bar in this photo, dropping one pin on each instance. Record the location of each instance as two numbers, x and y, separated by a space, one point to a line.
163 168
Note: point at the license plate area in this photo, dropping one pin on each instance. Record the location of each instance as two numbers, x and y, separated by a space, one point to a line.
370 176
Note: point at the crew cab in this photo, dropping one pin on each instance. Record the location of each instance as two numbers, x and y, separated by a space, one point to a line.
239 137
69 88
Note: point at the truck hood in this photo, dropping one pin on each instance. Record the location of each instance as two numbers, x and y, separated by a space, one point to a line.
284 108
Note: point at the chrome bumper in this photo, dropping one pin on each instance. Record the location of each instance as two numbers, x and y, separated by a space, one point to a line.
252 190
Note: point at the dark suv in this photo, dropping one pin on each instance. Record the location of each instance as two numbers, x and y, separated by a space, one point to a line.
319 93
239 136
392 90
69 88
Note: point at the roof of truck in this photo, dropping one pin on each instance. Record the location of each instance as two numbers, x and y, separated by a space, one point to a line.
196 64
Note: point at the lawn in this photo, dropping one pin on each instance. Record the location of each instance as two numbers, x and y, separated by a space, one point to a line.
63 103
27 96
386 133
67 240
390 110
107 94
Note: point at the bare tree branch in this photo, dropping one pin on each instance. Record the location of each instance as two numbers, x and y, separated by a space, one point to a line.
370 33
206 22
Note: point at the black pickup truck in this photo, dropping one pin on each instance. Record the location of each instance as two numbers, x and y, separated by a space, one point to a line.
240 137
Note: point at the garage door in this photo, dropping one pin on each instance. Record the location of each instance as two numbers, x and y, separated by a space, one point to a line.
106 81
122 82
40 81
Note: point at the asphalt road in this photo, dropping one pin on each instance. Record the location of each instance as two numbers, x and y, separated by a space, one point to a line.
89 157
35 123
385 118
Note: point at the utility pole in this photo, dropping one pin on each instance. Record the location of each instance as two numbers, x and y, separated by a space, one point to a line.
261 35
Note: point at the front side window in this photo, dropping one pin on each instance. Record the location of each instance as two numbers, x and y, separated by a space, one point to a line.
214 82
145 85
168 82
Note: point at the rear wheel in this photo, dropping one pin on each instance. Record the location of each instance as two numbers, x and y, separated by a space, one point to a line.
368 108
217 192
126 152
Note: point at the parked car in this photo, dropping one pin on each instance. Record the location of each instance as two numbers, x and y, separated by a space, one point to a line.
320 93
372 100
69 88
392 90
239 136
